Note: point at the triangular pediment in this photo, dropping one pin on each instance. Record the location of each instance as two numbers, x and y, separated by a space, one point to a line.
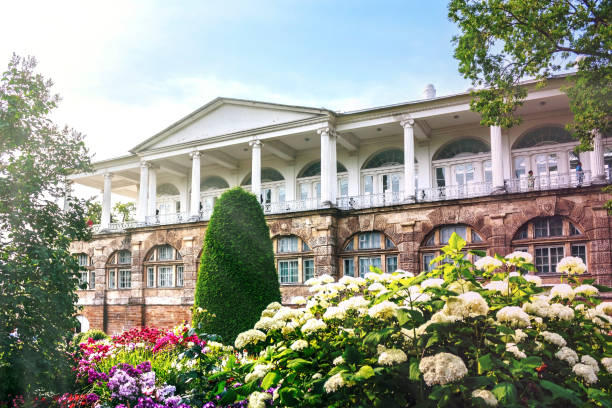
224 117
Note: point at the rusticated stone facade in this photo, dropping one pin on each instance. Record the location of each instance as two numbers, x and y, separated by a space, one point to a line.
497 219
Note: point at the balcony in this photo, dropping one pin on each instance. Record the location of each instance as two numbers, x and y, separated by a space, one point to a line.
471 190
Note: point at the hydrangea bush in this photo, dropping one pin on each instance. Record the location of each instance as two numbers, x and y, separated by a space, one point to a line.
483 334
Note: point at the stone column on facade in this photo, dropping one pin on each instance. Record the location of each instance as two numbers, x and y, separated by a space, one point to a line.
194 209
256 168
333 168
67 194
497 159
106 202
328 169
152 200
143 192
597 160
409 187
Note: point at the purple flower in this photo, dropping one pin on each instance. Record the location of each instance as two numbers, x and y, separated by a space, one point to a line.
91 398
209 404
145 367
166 392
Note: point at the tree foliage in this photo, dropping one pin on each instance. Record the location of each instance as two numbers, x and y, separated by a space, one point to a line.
237 277
503 42
38 275
124 211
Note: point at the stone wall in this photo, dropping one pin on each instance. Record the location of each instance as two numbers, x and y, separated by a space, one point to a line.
496 218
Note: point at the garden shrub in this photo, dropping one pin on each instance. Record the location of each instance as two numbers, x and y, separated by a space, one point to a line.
92 333
237 277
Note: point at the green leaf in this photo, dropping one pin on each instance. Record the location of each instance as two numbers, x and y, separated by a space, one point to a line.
485 363
561 392
456 242
505 392
298 363
229 397
377 337
271 379
415 373
365 372
351 355
288 396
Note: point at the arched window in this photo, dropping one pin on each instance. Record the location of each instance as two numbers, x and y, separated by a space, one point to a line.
268 175
272 186
168 199
365 249
88 276
309 181
383 173
211 188
462 163
119 270
164 267
548 240
386 158
84 323
294 260
439 237
543 136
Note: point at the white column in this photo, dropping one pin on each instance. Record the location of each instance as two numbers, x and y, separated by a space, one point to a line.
67 194
106 201
143 191
256 168
152 200
409 191
325 165
597 159
333 168
195 184
497 158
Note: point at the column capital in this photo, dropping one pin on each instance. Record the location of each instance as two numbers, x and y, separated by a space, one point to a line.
107 175
195 153
254 143
330 130
145 163
407 123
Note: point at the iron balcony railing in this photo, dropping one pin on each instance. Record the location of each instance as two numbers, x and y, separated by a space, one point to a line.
371 200
454 192
549 182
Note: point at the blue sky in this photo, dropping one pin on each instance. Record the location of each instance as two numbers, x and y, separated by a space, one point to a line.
126 70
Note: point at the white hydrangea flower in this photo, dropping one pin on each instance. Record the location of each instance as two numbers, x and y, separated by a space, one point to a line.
487 396
298 300
515 257
287 313
250 336
268 313
571 265
326 278
588 360
475 304
355 302
519 335
416 297
353 287
315 288
586 372
513 315
313 325
461 286
360 281
488 263
338 360
299 345
538 306
316 376
533 279
441 316
259 371
604 308
587 290
334 383
554 338
500 286
390 357
513 274
334 312
432 283
563 291
443 368
346 280
377 287
383 310
607 363
568 355
258 399
290 327
312 282
561 312
513 348
269 323
373 276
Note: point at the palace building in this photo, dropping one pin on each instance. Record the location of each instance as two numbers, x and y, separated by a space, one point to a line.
343 191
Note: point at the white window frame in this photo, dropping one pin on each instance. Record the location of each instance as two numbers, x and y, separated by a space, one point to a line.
290 275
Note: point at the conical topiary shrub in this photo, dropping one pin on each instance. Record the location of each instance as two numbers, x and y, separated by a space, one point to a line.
237 277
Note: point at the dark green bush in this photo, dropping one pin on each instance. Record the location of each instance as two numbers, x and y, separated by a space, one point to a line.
83 336
237 277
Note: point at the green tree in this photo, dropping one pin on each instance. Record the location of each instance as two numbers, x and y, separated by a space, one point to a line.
124 211
237 277
94 211
503 42
38 275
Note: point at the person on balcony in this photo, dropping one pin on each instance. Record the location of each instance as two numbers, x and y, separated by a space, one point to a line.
530 180
579 173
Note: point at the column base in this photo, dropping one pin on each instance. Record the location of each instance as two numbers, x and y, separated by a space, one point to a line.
499 190
599 179
327 204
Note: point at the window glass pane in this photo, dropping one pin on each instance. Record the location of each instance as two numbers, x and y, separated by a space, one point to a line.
150 277
427 258
556 254
368 184
179 256
365 263
287 244
83 278
125 257
520 167
125 278
305 247
308 265
82 258
574 230
555 227
111 279
542 262
304 191
488 171
281 194
388 243
317 188
391 263
446 232
369 240
579 251
343 187
348 267
164 276
164 253
350 246
476 237
521 233
179 275
440 177
92 279
431 241
288 271
540 228
552 163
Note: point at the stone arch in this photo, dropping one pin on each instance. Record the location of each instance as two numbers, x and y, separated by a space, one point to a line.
445 216
162 237
344 242
280 228
117 244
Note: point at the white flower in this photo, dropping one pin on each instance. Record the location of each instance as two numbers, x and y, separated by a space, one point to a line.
488 262
499 286
513 348
287 313
355 302
443 368
604 308
274 306
259 371
299 345
313 325
338 360
539 306
334 312
533 279
588 360
512 274
390 357
383 310
312 282
586 372
258 399
513 315
487 396
289 327
519 335
473 304
346 280
373 276
360 281
315 288
269 323
316 376
461 286
334 383
515 257
607 363
561 312
571 265
325 278
554 338
298 300
587 290
568 355
432 283
376 287
563 291
250 336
